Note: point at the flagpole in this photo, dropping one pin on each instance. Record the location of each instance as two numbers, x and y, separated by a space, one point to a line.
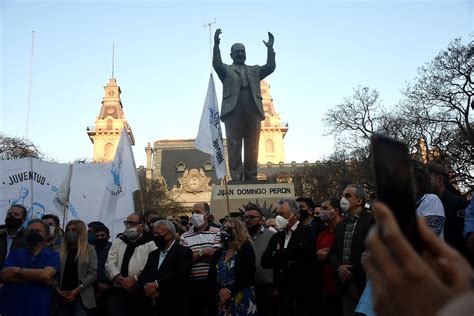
209 25
66 205
226 195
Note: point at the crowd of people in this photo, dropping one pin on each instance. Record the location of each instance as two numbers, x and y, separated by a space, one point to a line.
346 256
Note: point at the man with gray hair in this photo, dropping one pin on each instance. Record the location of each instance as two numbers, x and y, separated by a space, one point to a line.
166 273
346 251
291 255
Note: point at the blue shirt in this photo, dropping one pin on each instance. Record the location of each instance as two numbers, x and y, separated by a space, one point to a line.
29 298
469 219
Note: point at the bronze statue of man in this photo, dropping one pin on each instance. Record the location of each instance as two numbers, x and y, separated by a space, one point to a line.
242 109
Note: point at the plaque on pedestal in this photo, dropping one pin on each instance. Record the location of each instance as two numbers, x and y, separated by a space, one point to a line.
241 194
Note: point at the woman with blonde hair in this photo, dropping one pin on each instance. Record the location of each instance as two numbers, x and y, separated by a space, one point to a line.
78 271
234 270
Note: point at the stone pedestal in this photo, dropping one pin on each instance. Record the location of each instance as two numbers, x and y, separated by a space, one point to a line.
241 194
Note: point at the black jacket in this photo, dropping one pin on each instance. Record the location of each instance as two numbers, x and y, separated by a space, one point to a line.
244 268
293 267
18 243
365 221
172 278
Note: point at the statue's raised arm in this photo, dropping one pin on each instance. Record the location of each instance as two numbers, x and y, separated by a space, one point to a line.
216 58
271 39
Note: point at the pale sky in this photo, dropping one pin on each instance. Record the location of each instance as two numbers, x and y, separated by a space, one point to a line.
323 50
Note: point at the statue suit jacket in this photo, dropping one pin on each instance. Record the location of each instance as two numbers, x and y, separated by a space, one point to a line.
172 278
231 81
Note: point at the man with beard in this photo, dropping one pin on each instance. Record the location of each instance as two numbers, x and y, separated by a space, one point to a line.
14 236
263 277
28 274
127 257
346 252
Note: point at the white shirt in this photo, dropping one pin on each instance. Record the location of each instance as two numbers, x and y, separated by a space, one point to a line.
163 254
288 234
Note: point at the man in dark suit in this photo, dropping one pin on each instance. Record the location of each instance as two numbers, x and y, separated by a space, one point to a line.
13 235
291 255
165 276
346 252
242 109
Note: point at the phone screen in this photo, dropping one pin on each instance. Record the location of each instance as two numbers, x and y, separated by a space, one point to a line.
395 184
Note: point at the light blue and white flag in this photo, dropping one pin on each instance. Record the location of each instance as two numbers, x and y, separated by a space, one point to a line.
209 138
122 181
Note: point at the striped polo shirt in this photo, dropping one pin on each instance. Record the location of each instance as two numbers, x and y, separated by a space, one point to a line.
196 240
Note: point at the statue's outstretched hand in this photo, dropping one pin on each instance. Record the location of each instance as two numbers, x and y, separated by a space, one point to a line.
217 40
271 39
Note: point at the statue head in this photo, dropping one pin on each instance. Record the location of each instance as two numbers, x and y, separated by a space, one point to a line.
237 53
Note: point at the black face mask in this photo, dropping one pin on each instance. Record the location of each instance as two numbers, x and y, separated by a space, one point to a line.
227 235
101 243
303 215
318 220
72 237
12 222
160 241
33 238
254 229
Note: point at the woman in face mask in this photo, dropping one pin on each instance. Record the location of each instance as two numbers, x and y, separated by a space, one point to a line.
233 268
78 271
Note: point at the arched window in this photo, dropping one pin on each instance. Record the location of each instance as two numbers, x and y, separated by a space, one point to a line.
108 151
269 146
110 124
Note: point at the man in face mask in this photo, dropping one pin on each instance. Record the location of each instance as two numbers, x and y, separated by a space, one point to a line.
331 215
126 258
14 236
308 216
290 252
203 240
166 272
54 241
263 277
28 274
102 246
346 252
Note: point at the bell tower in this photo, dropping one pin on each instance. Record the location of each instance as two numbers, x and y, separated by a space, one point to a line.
272 132
105 134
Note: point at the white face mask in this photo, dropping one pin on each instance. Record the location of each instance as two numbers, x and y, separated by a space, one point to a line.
344 204
272 229
281 222
198 220
131 232
52 230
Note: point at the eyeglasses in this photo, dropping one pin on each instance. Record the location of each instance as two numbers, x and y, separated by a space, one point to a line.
131 223
250 217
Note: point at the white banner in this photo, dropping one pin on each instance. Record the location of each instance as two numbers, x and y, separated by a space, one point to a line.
42 187
209 138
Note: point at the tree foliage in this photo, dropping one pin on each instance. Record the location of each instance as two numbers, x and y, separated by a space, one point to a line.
16 148
153 196
434 118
